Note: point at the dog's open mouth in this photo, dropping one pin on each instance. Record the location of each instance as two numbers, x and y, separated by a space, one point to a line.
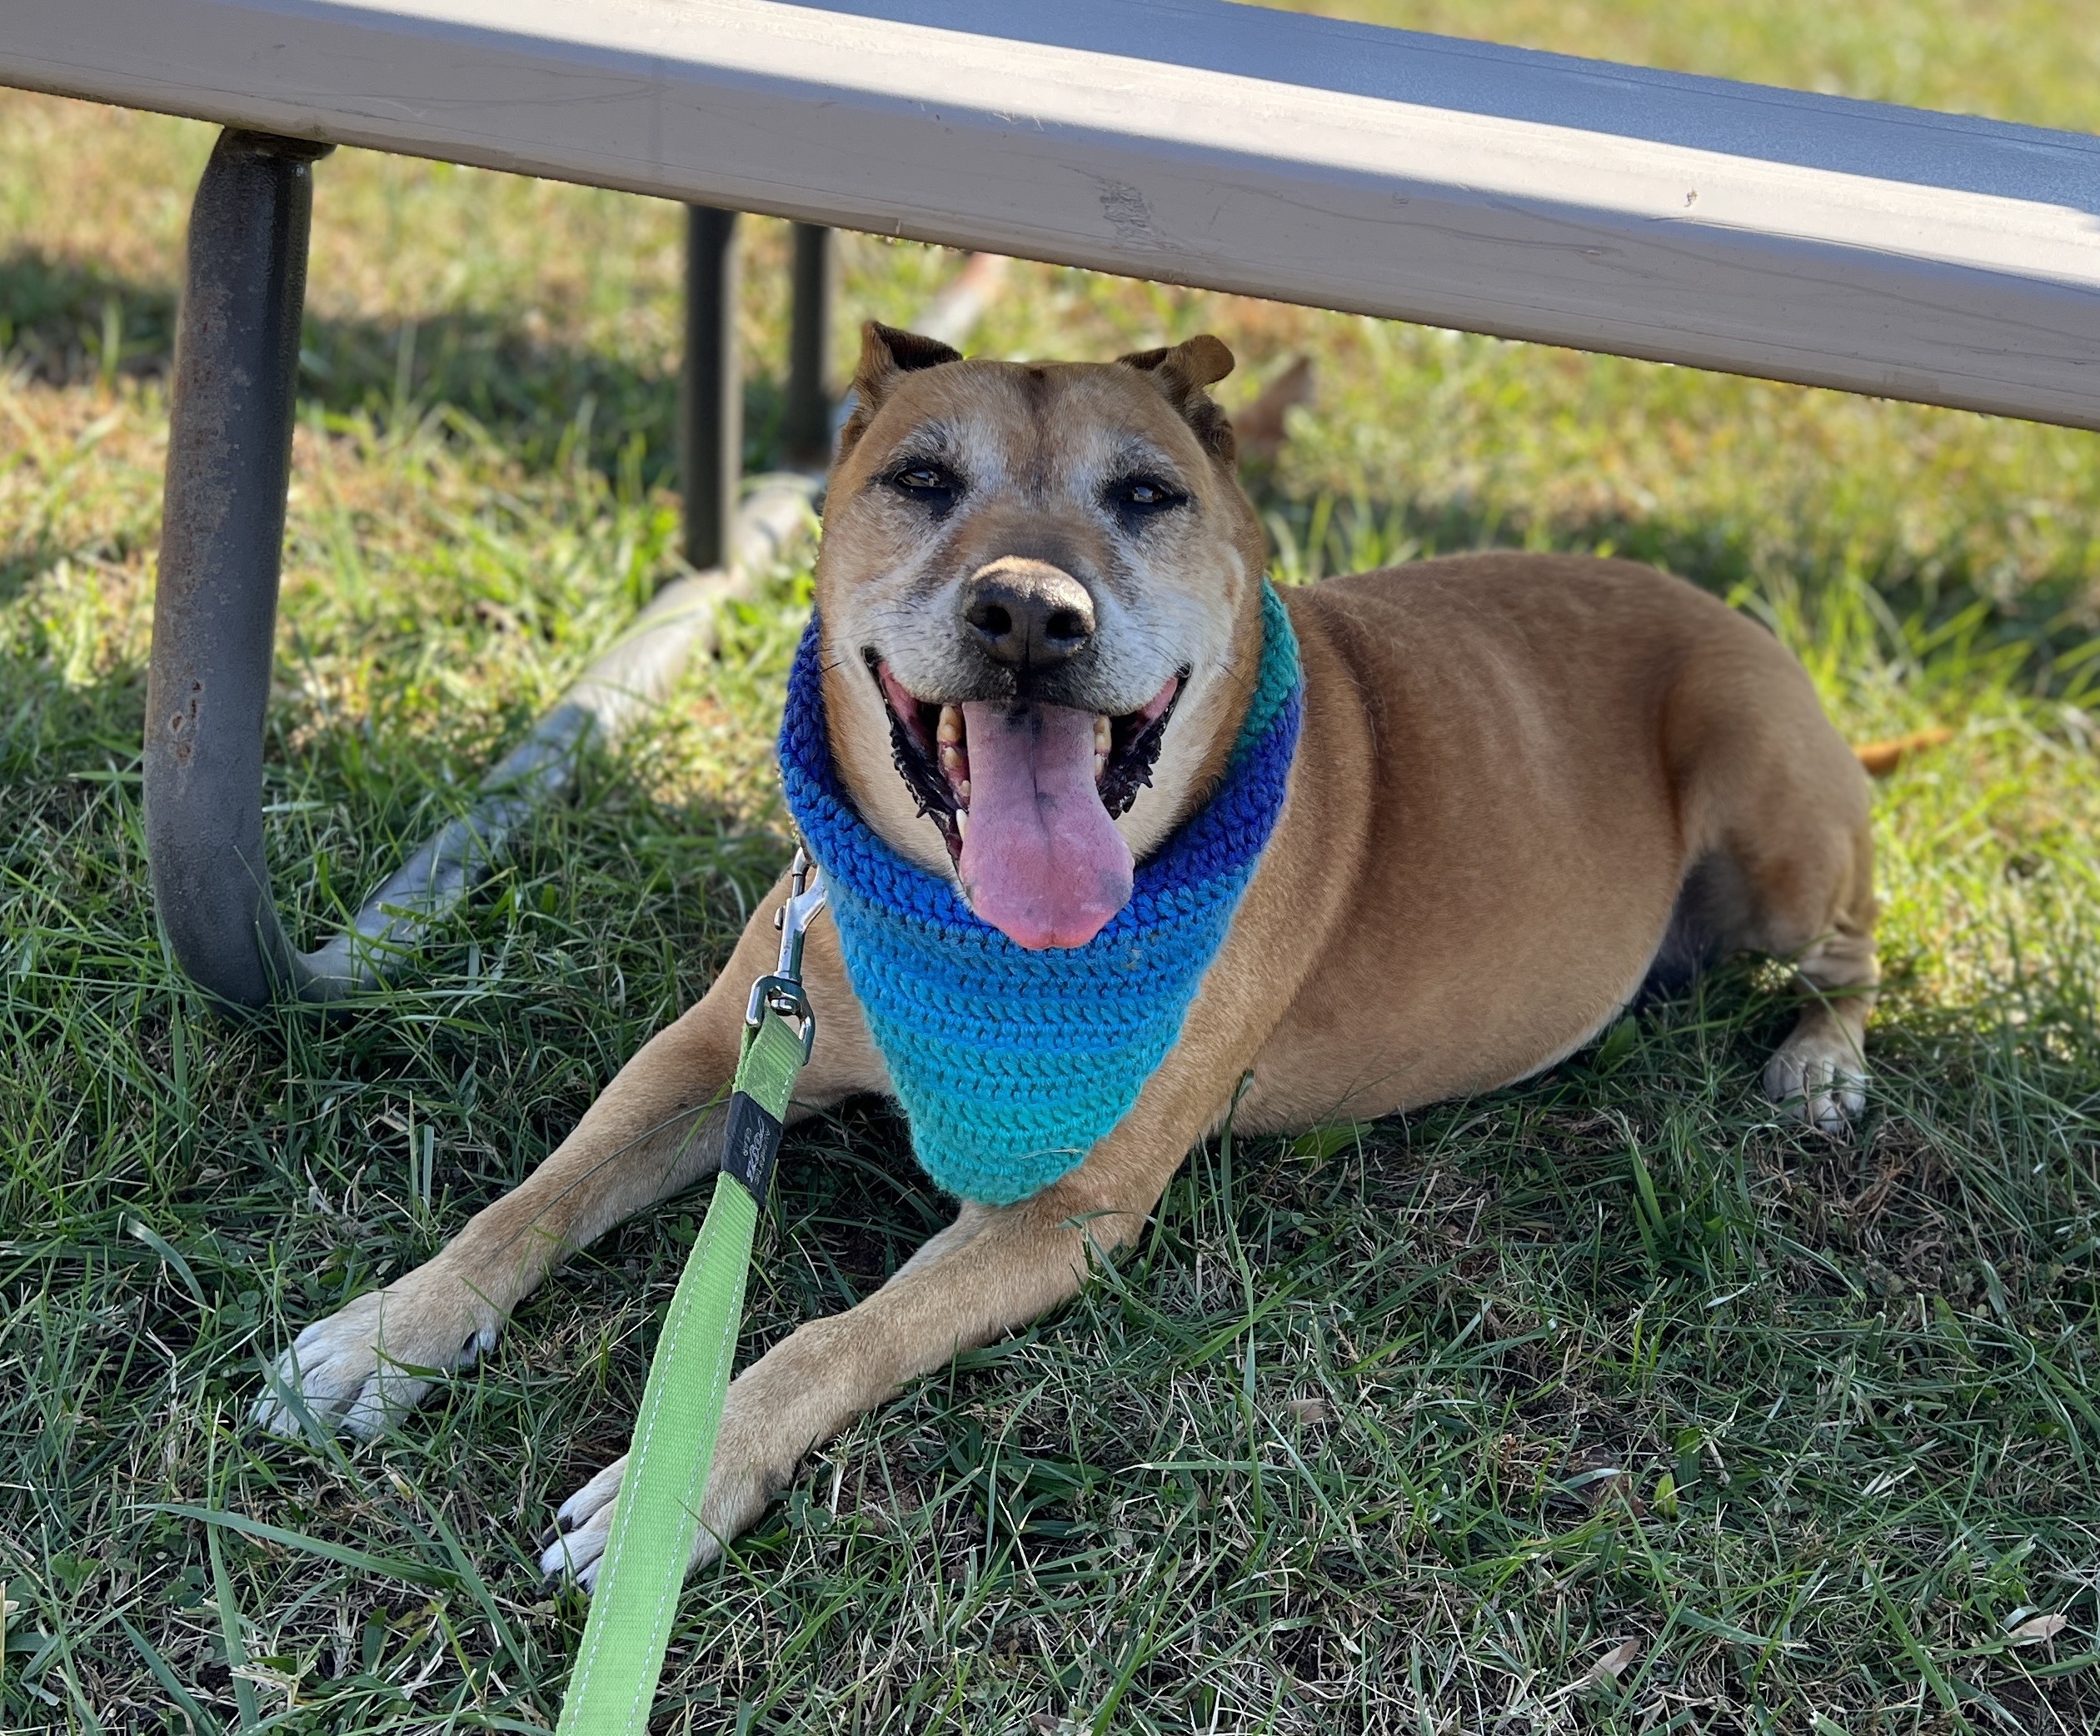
1026 796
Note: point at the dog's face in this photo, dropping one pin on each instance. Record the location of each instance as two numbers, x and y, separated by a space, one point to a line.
1039 588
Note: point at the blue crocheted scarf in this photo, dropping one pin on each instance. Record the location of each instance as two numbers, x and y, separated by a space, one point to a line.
1011 1063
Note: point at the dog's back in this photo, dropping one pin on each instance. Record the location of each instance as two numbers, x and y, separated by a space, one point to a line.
1527 758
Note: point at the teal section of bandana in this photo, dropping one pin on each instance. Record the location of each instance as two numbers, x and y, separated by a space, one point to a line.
1011 1063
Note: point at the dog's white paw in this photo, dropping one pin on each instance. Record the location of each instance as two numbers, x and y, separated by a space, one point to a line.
583 1524
1816 1077
363 1369
754 1456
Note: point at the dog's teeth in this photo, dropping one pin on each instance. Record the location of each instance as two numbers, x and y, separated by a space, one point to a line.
949 733
955 766
962 823
1100 736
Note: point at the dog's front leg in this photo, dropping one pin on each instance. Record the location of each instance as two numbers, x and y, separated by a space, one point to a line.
992 1270
654 1130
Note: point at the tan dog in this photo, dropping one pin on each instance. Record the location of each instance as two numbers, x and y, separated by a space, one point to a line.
1524 783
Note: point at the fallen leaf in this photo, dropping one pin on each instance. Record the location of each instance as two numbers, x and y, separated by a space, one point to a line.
1309 1410
1605 1671
2038 1628
1880 758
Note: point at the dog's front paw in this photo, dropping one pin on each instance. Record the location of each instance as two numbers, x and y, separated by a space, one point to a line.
577 1546
737 1492
363 1369
1816 1077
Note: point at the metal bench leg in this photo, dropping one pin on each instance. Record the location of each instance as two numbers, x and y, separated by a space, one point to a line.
807 427
712 389
229 456
215 615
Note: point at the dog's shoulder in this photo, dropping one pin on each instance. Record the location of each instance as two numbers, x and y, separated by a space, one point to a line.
1562 604
1513 579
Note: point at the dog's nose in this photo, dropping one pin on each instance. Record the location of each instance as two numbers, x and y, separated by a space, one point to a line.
1027 614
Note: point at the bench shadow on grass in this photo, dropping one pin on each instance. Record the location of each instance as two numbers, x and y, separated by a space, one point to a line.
70 324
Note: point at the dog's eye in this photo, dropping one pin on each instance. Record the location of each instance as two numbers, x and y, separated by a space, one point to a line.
930 484
1142 496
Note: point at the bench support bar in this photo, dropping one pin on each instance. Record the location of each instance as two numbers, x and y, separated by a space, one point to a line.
229 463
229 457
711 388
806 430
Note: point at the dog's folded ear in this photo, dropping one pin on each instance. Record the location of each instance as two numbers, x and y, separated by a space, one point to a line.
886 354
1180 373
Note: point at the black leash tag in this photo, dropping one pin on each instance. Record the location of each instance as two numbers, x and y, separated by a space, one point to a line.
751 1145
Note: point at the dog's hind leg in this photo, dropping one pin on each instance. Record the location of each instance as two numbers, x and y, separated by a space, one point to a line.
1819 1072
654 1130
1800 888
1775 811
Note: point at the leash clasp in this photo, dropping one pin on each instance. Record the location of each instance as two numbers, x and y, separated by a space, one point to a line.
781 992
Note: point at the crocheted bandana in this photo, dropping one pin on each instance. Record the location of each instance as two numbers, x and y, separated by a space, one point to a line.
1011 1063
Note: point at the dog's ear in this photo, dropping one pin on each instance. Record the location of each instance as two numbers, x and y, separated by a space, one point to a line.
1181 374
887 355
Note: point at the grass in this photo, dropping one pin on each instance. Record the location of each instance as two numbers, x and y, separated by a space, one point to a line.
1331 1452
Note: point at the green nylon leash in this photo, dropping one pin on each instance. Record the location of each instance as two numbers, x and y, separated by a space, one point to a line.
656 1517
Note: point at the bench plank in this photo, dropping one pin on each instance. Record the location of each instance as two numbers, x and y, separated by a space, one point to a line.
1877 249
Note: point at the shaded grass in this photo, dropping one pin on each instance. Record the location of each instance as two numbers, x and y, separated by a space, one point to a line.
1372 1432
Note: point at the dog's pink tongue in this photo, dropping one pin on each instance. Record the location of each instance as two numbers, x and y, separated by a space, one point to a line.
1041 862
